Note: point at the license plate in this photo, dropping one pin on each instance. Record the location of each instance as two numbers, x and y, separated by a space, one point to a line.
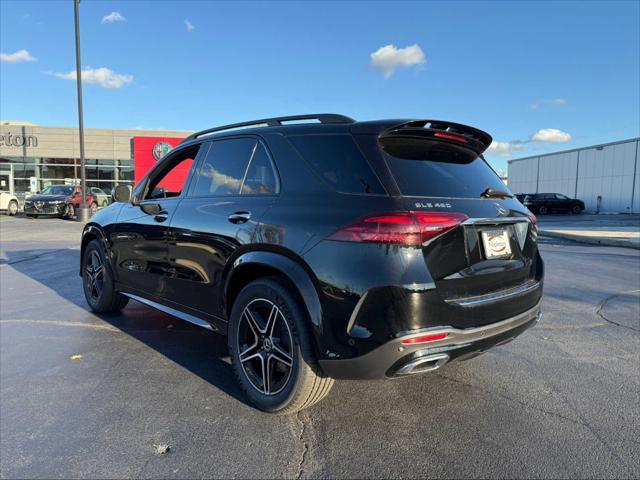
496 243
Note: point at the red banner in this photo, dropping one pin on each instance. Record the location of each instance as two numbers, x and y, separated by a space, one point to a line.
146 153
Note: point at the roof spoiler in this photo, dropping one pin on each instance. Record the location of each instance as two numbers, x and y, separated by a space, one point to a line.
437 130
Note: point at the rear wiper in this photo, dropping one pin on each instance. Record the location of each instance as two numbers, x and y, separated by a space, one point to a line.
495 193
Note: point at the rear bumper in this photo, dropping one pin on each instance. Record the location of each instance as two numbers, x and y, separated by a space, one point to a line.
394 359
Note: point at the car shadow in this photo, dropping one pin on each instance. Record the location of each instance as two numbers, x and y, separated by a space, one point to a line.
200 351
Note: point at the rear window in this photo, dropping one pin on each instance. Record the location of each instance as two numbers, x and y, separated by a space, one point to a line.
438 170
339 162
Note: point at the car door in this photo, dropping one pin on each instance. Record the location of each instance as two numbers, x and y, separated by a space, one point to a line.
139 237
562 202
236 183
547 200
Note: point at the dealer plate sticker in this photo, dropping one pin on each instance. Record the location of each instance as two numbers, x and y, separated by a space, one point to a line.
496 243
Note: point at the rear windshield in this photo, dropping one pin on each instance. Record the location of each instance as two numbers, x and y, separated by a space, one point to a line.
441 171
338 161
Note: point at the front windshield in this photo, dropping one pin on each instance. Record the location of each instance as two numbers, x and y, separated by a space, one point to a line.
57 190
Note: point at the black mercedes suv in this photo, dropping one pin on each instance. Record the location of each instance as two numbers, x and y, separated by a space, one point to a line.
544 203
327 250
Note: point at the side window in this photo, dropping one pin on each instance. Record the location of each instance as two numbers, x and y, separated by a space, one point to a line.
339 162
170 181
260 178
224 167
559 196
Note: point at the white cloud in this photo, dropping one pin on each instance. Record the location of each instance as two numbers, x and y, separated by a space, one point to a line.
16 57
189 25
113 17
550 135
103 76
549 101
388 58
504 149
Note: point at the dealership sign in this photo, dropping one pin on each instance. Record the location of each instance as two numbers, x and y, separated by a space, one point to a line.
8 140
160 149
147 151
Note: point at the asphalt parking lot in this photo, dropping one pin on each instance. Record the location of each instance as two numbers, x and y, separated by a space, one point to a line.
562 400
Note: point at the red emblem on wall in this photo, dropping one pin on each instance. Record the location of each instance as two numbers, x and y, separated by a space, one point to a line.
146 153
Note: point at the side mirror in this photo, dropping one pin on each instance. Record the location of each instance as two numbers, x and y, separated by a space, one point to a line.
122 193
151 208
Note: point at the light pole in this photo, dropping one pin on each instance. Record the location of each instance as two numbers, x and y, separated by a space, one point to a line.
83 212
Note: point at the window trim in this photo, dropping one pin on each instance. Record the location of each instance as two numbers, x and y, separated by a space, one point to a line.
259 140
325 182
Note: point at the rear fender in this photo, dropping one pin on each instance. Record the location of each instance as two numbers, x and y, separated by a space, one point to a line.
300 277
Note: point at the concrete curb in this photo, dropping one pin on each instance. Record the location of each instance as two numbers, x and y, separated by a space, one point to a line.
605 241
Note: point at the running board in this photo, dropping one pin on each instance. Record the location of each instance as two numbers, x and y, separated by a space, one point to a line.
172 311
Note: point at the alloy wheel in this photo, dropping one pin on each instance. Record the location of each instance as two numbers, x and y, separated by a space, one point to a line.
265 346
94 275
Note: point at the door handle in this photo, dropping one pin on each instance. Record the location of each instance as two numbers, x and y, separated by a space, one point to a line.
240 217
161 216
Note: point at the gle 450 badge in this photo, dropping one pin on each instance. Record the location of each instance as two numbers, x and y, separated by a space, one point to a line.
160 149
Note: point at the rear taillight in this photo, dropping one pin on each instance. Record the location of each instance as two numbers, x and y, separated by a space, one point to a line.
534 223
425 338
403 228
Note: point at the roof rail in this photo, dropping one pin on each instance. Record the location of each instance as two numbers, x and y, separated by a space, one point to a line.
276 121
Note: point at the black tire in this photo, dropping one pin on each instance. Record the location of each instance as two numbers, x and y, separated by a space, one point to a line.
97 281
70 212
542 210
12 208
576 209
305 383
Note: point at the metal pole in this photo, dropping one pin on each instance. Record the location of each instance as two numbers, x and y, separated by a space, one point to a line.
83 213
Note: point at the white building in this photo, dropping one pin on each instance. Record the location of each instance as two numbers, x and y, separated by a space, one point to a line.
606 177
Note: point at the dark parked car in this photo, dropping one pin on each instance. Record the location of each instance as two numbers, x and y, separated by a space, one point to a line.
58 200
520 196
544 203
338 249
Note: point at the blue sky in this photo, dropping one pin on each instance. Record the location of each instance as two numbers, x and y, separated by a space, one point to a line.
538 76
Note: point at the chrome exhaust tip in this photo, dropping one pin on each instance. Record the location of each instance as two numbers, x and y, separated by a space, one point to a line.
428 363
